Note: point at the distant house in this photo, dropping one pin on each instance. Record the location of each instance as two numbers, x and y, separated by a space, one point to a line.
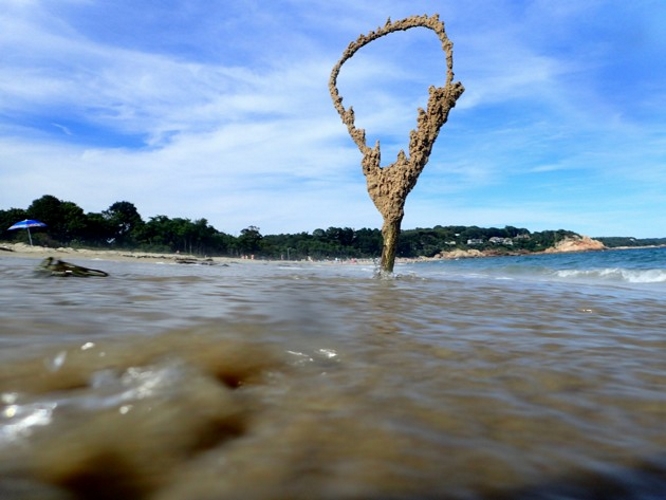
496 240
475 241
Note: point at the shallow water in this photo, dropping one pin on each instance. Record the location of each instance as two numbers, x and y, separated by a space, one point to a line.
288 380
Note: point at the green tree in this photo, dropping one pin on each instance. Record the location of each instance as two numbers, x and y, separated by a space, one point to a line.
7 219
368 242
192 237
249 240
126 222
158 234
340 236
74 222
98 230
54 213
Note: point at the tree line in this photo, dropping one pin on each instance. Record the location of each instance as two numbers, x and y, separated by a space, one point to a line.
122 227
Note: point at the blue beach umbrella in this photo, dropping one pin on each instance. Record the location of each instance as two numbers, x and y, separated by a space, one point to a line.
27 224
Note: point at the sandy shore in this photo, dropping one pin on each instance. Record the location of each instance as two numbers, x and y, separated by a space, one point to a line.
68 253
65 253
77 255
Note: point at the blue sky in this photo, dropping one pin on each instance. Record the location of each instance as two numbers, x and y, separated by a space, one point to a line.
220 110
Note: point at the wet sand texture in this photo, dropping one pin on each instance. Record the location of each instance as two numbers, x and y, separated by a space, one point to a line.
125 418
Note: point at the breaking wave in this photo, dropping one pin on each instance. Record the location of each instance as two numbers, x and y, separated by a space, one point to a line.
616 274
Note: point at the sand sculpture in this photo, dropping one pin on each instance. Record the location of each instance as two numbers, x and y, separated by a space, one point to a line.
388 187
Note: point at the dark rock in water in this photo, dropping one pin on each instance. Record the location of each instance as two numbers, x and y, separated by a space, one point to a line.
56 267
189 260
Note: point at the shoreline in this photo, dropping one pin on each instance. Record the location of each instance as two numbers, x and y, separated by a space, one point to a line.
21 250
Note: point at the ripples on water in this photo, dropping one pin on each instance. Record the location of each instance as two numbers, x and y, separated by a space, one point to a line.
317 381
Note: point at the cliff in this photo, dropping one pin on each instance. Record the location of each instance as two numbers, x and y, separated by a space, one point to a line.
576 244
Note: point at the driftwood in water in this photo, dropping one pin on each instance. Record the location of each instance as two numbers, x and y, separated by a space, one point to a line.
61 268
388 187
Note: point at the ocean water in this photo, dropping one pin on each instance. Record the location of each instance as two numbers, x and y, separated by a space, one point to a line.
536 377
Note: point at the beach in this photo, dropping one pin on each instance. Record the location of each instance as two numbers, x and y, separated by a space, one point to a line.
27 251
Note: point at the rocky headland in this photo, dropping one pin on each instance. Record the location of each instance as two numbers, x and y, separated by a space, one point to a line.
569 244
580 244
